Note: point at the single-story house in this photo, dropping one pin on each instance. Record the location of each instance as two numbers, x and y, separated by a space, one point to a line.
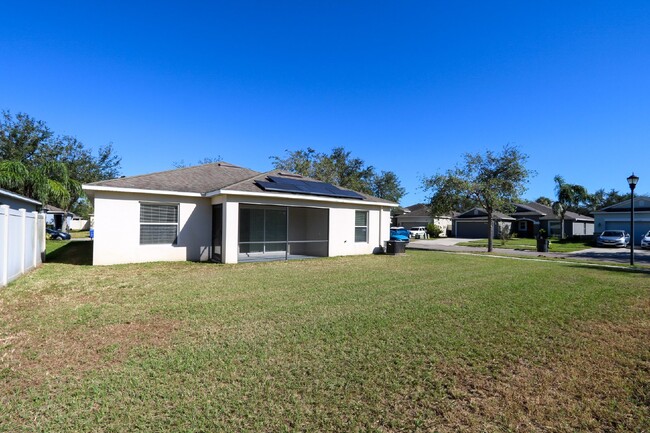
617 217
418 215
59 218
17 201
474 224
230 214
532 216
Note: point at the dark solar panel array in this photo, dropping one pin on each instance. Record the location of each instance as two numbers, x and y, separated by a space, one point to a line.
298 186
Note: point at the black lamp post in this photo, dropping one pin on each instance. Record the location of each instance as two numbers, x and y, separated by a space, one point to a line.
632 181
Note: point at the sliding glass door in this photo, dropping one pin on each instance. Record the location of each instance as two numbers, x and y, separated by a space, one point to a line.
262 229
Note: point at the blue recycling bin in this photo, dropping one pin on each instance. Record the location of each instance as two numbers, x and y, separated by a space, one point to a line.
92 233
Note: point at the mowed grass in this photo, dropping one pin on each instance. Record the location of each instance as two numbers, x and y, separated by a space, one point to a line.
424 342
555 245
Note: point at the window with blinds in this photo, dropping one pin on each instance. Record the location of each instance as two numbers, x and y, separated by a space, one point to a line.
361 226
158 223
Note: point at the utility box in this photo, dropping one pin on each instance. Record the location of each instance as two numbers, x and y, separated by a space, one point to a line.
395 247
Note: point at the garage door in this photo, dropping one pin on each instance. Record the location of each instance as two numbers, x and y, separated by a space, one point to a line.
466 229
640 228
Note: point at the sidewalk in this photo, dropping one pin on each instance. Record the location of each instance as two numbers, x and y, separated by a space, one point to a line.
620 256
447 244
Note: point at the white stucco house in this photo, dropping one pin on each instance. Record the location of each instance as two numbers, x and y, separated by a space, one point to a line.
226 213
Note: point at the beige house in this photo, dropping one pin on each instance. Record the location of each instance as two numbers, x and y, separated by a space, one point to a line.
418 215
226 213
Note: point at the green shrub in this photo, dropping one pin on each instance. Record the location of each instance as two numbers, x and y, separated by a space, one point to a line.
433 230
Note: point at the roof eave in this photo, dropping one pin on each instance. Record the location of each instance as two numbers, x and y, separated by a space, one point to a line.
96 188
20 197
299 197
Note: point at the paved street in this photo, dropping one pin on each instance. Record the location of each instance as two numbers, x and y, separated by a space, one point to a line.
615 255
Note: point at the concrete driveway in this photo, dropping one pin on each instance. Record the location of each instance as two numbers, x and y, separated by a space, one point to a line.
440 241
618 255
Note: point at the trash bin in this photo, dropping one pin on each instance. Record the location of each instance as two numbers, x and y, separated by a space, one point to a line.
92 233
542 245
395 247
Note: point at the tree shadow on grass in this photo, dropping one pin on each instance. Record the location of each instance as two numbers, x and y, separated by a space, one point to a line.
73 253
611 268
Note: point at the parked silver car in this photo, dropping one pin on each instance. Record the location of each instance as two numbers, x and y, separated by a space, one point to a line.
613 238
645 241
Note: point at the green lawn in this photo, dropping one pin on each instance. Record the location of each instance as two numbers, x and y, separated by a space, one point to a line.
555 245
80 234
424 342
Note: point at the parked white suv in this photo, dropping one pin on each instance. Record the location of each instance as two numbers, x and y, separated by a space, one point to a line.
418 232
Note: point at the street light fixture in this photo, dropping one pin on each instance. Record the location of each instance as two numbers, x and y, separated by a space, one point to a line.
632 181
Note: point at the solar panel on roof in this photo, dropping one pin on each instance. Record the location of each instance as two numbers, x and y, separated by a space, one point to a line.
299 186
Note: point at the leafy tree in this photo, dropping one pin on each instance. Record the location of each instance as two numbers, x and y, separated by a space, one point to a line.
21 137
387 186
569 196
47 183
602 198
36 163
340 168
544 200
491 180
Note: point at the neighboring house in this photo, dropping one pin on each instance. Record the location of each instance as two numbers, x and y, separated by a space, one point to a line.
617 217
231 214
418 215
22 235
474 224
17 201
532 216
58 218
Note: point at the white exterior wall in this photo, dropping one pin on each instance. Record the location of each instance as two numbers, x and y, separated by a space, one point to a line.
117 229
341 224
341 241
22 242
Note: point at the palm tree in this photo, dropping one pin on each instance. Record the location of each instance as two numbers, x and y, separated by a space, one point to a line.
48 183
568 196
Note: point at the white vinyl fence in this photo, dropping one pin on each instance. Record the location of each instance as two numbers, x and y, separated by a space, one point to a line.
22 242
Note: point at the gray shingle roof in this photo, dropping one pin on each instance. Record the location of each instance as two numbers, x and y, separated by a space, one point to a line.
249 185
546 213
482 215
199 179
206 178
421 209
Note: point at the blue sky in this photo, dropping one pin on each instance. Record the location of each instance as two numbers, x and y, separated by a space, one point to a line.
405 86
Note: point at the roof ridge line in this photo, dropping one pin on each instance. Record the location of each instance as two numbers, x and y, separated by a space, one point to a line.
220 163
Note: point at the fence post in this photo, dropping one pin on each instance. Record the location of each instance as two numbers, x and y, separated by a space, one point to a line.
4 225
41 235
23 250
35 251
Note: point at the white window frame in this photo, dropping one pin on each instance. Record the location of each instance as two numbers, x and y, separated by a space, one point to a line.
176 224
524 226
363 226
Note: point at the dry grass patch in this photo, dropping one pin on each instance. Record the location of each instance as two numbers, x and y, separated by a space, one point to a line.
31 357
598 383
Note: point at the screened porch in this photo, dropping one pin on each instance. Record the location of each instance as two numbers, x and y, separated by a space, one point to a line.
269 233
